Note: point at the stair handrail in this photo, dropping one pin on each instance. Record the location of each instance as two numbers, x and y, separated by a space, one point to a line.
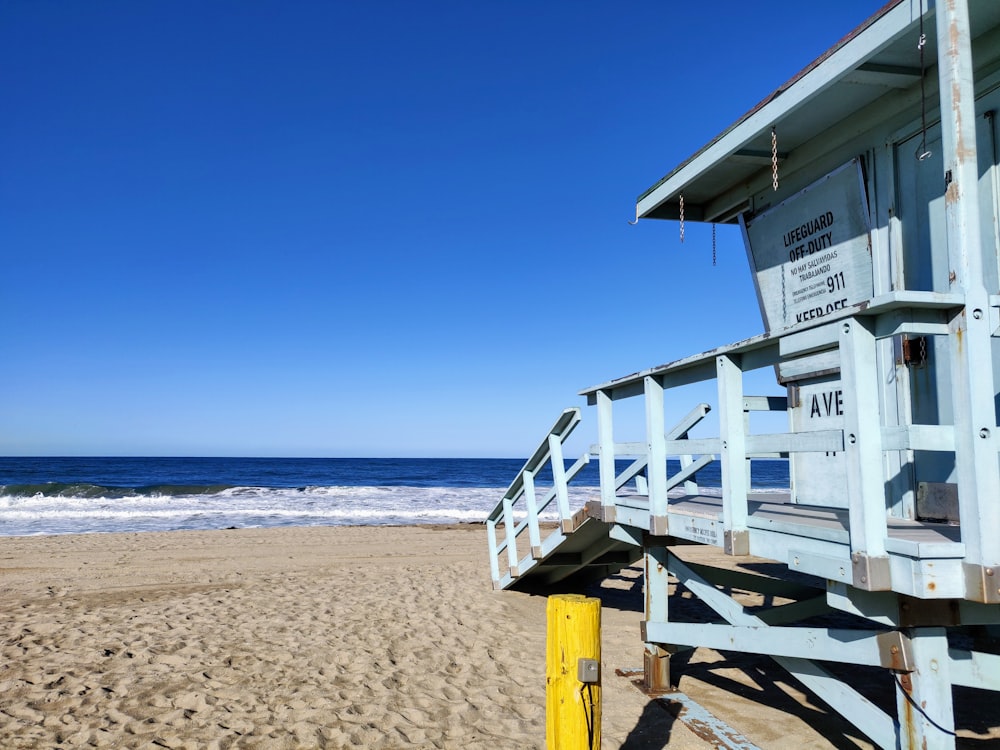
523 486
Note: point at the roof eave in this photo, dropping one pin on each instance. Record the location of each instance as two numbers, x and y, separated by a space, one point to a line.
877 33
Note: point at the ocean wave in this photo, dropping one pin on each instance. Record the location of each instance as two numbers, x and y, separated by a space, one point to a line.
59 508
53 511
362 516
84 490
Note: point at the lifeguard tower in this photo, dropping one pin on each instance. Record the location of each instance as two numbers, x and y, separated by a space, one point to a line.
868 191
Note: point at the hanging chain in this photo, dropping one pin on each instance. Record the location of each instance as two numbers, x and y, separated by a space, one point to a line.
923 351
681 209
922 151
713 244
774 159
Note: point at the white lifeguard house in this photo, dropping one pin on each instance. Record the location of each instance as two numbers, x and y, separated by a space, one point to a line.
868 192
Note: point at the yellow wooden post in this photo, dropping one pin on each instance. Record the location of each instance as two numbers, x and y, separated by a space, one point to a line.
572 704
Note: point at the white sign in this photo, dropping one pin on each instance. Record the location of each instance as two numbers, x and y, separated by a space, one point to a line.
811 254
818 478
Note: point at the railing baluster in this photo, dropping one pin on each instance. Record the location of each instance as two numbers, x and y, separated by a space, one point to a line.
863 446
491 536
656 449
606 451
531 505
559 476
690 485
511 533
734 455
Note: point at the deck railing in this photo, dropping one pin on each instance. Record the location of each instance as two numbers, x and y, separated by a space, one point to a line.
874 424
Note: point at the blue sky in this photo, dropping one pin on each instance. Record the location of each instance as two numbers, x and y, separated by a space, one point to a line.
273 228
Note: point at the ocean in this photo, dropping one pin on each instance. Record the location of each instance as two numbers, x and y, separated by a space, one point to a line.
84 495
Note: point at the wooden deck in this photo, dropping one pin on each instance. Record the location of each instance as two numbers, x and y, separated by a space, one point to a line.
809 539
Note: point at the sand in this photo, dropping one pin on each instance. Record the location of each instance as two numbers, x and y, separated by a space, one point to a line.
271 638
374 637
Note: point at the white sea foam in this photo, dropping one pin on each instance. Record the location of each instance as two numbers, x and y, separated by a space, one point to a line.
260 506
255 506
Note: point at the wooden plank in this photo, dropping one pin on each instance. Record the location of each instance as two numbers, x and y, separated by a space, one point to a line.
828 644
814 441
975 669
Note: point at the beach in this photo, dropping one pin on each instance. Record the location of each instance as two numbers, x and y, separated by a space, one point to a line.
374 637
299 637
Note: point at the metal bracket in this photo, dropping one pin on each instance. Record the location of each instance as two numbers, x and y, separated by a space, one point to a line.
982 583
658 526
870 573
737 542
655 671
895 651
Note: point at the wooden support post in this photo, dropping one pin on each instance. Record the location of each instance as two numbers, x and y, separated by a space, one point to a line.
656 450
972 380
606 450
735 486
865 463
573 649
923 697
656 659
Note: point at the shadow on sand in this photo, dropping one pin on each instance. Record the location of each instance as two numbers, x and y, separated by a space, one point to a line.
759 680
